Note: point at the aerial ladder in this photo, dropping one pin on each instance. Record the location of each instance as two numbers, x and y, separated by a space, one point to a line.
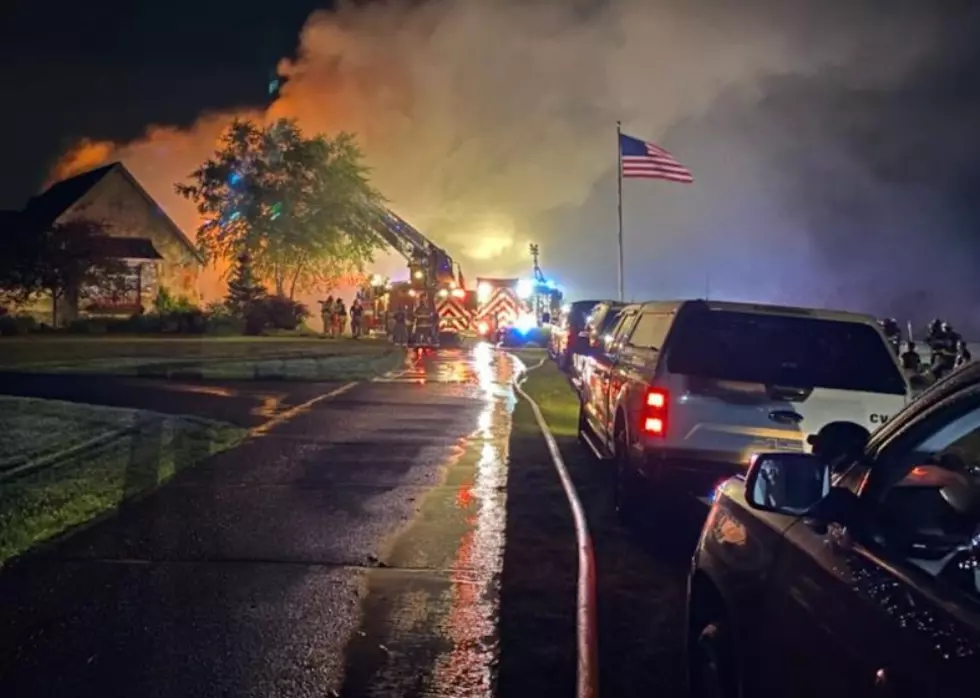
432 275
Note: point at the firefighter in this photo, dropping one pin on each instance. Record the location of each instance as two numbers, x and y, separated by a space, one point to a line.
399 329
356 318
910 359
340 318
423 322
943 340
963 355
326 315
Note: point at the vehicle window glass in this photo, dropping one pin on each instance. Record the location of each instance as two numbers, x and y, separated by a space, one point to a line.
579 314
930 515
620 331
650 331
605 320
802 352
595 318
609 322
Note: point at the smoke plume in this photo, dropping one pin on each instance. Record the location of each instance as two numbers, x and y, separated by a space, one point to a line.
490 124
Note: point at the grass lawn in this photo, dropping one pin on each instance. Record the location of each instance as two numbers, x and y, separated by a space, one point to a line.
311 358
111 454
36 431
640 596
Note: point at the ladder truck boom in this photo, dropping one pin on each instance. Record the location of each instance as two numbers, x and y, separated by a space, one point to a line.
420 252
432 272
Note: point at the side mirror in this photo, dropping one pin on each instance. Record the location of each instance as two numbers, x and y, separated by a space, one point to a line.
786 483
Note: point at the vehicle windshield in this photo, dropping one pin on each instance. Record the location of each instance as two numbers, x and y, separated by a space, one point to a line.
801 352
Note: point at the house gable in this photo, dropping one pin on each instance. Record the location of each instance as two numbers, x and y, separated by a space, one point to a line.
117 199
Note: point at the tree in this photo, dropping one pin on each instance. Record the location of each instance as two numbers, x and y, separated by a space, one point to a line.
302 208
243 289
64 260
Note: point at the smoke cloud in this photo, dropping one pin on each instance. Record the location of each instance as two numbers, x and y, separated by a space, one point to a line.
490 124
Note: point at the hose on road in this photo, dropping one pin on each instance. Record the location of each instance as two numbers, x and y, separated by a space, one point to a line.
587 679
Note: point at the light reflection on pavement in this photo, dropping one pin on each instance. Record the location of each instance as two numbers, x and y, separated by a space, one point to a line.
354 548
436 627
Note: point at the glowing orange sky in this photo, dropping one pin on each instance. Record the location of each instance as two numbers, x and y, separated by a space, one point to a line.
489 124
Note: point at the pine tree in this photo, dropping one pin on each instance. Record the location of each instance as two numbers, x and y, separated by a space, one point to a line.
243 288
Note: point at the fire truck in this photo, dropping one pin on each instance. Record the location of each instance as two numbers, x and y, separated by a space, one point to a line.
433 278
436 279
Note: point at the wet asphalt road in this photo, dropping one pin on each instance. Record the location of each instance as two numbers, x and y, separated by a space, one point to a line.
353 550
243 403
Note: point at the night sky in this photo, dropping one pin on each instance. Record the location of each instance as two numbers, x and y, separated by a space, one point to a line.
106 69
835 144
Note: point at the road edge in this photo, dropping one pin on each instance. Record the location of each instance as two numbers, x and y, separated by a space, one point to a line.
586 623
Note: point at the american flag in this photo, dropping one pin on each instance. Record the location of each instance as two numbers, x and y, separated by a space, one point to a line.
641 159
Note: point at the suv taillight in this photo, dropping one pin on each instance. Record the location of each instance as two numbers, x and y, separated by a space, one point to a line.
655 412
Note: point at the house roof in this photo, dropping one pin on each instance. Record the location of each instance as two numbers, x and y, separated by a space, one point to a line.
127 248
46 207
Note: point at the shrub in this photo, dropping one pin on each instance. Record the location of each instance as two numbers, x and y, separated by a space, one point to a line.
165 304
192 321
89 325
276 312
216 309
224 324
15 325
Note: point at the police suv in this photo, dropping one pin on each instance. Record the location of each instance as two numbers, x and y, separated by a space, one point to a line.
685 392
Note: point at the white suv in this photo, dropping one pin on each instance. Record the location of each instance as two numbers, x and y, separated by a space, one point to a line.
697 387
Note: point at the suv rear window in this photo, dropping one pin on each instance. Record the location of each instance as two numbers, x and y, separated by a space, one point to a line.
800 352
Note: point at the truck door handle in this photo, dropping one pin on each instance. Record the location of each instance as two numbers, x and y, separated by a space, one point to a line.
786 417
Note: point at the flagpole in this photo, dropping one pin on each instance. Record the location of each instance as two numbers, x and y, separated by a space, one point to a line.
619 179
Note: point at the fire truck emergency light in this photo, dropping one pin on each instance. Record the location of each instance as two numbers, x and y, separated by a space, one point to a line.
525 323
525 287
483 292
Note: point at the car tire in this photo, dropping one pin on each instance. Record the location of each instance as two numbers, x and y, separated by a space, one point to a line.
711 664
